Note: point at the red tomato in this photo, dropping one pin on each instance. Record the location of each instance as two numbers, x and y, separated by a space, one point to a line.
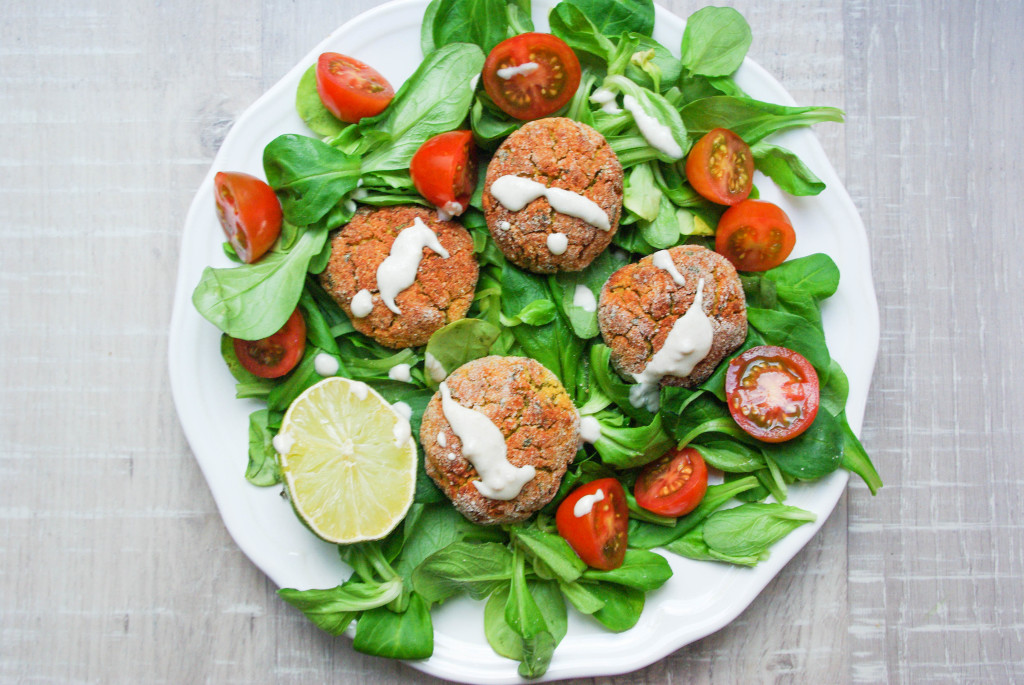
275 356
599 534
721 167
674 484
350 89
444 170
539 92
249 213
755 235
772 392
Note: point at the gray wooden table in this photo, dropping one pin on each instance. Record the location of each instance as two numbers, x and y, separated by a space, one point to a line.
116 567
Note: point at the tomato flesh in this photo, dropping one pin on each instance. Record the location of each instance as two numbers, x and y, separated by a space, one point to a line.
674 484
755 235
721 167
276 355
350 89
444 170
248 211
772 392
600 535
535 93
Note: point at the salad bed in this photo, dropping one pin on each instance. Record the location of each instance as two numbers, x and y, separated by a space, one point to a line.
524 571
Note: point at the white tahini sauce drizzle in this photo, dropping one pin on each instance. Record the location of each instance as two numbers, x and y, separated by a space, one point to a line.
515 192
484 446
605 98
584 505
654 132
434 368
398 271
442 440
400 372
402 409
558 243
524 69
326 365
583 297
663 260
687 344
401 433
574 204
645 395
504 225
590 429
282 443
362 304
450 209
359 389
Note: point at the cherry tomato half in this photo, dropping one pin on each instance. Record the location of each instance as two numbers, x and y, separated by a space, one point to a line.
527 92
275 356
444 170
249 213
599 533
755 235
721 167
674 484
350 89
772 392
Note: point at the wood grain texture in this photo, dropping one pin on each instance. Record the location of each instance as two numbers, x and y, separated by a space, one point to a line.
115 566
936 561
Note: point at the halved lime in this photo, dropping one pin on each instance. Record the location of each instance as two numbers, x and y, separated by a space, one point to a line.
348 461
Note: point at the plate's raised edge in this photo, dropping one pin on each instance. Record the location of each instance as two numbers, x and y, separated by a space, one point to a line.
456 668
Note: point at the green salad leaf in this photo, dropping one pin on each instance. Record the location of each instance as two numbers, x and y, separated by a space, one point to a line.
434 100
475 568
814 453
750 529
571 24
622 606
333 610
262 469
580 312
310 177
715 41
856 459
253 301
311 108
615 17
752 120
786 169
457 343
405 635
483 22
642 570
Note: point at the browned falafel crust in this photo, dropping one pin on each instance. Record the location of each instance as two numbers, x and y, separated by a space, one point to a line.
560 153
535 414
640 303
442 292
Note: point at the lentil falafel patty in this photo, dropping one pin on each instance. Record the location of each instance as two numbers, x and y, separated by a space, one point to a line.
557 153
535 415
640 303
443 289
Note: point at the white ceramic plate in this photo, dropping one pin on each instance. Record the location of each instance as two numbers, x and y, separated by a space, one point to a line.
263 524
